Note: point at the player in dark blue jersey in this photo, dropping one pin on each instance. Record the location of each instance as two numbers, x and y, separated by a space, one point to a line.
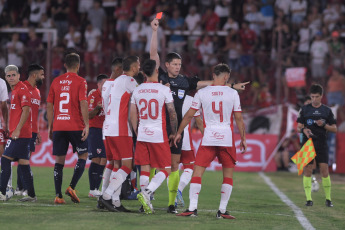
314 121
180 86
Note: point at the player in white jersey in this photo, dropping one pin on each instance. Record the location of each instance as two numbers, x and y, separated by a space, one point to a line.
187 151
152 148
4 111
117 131
218 103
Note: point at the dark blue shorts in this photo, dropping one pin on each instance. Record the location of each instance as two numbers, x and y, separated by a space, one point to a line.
32 143
61 140
95 143
18 149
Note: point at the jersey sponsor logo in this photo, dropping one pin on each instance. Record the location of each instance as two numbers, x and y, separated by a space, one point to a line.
65 88
148 132
13 106
310 121
13 96
99 151
180 93
217 135
194 104
217 93
81 150
63 82
35 101
148 91
316 112
63 117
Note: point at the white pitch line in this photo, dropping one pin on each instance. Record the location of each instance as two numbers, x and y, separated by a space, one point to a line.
298 212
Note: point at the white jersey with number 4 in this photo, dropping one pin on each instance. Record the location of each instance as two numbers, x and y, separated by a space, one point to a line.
116 97
187 141
218 104
3 94
150 99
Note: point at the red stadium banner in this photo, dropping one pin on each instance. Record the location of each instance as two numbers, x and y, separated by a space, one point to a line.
260 148
295 77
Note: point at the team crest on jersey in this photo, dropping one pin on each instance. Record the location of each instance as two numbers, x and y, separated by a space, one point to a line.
148 132
99 151
310 121
180 93
92 101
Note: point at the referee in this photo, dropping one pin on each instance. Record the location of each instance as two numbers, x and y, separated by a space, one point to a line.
314 121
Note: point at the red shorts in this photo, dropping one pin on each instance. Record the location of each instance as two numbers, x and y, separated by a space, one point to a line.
157 155
206 154
118 148
2 137
187 157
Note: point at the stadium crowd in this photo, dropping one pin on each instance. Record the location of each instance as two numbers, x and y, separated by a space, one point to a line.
243 34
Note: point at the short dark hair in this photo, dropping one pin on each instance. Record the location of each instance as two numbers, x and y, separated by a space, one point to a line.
221 68
139 78
34 67
171 56
101 77
316 88
117 61
149 67
72 60
128 61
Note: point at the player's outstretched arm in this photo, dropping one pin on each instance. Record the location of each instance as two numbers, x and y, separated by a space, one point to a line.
4 110
133 117
50 117
185 121
85 115
241 128
23 117
154 42
237 86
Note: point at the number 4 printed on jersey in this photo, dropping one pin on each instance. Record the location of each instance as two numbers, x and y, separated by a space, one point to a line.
220 109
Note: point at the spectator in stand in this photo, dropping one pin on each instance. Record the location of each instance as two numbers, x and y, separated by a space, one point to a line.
37 9
46 23
93 48
210 20
319 51
256 20
340 25
231 24
134 30
265 97
336 88
192 23
34 48
57 61
60 11
288 148
233 46
83 7
97 16
122 15
248 42
330 16
266 9
305 37
15 51
72 38
222 9
281 26
207 53
298 10
109 7
336 50
314 20
147 7
204 5
176 42
283 5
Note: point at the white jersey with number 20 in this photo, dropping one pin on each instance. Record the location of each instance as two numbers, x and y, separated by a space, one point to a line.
218 104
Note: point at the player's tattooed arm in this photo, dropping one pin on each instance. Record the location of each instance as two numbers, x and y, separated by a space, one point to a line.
185 121
242 130
85 115
172 116
133 116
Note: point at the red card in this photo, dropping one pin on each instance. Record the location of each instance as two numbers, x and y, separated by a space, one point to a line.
159 15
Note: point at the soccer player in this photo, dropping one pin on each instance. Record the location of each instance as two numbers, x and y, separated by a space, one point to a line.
117 131
314 121
152 147
187 151
33 83
67 106
218 103
4 112
95 139
17 147
180 85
